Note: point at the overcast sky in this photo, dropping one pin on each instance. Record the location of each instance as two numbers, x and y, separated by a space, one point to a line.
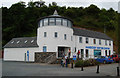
74 3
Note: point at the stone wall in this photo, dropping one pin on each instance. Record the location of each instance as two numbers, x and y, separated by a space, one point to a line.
45 57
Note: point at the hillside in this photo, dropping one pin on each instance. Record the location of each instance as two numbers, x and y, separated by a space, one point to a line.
20 20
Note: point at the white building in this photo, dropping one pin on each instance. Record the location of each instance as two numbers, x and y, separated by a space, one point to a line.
56 33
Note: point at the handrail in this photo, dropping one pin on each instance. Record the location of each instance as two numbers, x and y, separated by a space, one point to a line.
49 56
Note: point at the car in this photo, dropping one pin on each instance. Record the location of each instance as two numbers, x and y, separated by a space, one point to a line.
115 57
104 59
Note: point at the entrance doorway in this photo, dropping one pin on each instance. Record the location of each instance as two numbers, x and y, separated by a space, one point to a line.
62 51
97 53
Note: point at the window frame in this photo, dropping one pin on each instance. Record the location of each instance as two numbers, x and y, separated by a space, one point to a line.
45 34
65 36
80 39
56 34
87 40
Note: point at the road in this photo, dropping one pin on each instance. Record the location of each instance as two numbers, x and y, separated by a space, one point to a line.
36 69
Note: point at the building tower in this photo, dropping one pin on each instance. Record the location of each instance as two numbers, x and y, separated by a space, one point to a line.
54 34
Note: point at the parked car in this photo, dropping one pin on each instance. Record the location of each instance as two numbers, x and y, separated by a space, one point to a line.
104 59
115 57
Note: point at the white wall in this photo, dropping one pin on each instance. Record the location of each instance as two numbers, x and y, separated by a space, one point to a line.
18 54
50 41
83 45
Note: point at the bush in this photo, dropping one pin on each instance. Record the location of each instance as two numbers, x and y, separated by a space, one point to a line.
79 63
90 62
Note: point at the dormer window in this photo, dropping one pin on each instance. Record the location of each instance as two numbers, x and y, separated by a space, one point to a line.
25 41
18 42
32 41
12 42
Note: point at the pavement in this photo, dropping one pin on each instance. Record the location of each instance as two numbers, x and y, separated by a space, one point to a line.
38 69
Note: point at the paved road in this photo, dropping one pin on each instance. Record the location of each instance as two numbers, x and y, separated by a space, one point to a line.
35 69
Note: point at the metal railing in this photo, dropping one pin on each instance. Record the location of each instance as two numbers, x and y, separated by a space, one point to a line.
50 58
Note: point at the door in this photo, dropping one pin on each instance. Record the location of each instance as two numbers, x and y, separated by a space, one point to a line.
61 51
97 53
25 56
105 52
82 53
44 48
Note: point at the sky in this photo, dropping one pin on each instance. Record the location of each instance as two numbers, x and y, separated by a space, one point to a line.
73 3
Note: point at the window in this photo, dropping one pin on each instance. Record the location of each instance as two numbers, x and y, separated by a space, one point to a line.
97 53
58 21
105 42
94 41
51 21
86 52
64 22
65 37
45 21
18 42
12 42
109 43
41 23
99 42
105 52
44 49
32 41
45 34
80 39
69 24
109 52
25 41
55 34
82 53
87 40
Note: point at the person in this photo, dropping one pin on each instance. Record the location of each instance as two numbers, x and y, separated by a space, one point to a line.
69 53
62 62
63 54
78 53
66 61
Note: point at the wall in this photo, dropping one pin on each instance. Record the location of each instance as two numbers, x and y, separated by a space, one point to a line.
18 54
83 45
50 41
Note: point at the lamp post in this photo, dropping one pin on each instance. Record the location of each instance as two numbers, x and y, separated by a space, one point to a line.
118 35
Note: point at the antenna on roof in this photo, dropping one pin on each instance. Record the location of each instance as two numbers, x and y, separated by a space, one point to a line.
55 12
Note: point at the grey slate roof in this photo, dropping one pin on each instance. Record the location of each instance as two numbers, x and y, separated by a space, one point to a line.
77 31
89 33
31 42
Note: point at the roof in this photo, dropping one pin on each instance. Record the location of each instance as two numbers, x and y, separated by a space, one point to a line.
89 33
55 15
24 42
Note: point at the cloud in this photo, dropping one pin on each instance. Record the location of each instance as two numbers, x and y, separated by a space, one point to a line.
76 3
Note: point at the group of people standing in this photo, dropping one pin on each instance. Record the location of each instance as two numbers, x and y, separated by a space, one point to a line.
66 59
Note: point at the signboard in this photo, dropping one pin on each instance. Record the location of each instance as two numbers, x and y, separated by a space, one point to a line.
74 57
28 55
93 47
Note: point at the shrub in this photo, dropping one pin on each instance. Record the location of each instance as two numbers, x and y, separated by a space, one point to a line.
90 62
79 63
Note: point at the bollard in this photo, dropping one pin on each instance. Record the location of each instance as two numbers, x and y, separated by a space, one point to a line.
97 69
118 71
81 68
72 65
